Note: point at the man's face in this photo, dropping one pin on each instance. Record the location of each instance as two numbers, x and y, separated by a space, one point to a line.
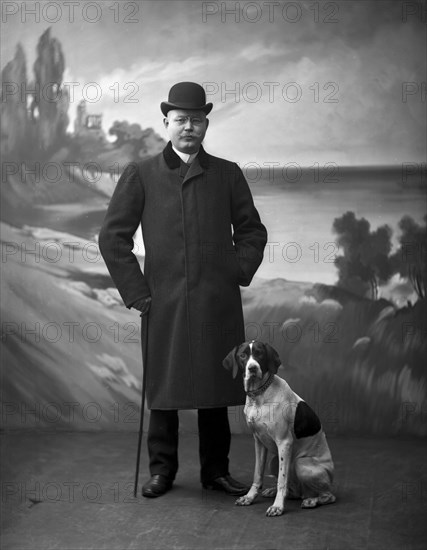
186 129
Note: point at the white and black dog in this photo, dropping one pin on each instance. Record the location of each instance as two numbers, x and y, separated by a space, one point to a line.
285 425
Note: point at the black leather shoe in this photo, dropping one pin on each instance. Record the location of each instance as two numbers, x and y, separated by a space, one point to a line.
156 486
228 485
237 484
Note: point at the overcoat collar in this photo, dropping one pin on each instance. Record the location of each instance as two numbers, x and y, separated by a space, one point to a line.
173 160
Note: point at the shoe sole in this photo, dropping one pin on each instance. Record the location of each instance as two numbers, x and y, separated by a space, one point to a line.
238 493
152 494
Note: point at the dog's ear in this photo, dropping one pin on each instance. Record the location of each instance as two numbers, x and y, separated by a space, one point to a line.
230 362
273 359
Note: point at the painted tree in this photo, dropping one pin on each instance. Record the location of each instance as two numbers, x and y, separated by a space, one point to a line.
365 262
125 132
139 142
34 114
14 127
51 100
410 259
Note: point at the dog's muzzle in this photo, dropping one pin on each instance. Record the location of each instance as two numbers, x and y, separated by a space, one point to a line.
252 370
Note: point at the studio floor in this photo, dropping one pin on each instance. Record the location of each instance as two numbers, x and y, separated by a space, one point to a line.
74 491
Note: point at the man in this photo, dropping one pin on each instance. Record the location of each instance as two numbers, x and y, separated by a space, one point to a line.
203 238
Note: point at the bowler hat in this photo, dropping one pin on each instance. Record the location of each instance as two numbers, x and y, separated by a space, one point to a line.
186 95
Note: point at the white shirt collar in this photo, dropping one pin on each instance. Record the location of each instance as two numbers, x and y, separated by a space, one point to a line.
185 157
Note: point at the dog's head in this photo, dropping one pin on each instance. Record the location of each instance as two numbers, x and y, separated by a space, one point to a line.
254 359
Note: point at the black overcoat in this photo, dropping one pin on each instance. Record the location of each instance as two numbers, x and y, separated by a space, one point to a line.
203 238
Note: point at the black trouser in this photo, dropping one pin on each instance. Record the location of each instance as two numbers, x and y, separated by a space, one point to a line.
214 443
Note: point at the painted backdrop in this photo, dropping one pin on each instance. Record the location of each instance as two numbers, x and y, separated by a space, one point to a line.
323 105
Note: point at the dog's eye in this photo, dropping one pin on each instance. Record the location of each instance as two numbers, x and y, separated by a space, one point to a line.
242 355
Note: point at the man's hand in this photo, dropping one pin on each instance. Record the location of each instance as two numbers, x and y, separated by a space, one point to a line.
143 305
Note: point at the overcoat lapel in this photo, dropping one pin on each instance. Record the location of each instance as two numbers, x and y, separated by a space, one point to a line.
198 166
194 170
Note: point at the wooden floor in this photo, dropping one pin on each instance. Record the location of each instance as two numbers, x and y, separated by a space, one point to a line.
70 491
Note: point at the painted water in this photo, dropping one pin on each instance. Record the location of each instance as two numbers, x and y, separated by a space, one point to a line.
299 215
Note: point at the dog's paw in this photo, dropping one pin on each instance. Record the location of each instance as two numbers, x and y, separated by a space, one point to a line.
310 502
327 498
274 511
269 493
244 501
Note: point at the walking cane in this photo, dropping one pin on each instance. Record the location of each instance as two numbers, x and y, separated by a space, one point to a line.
144 346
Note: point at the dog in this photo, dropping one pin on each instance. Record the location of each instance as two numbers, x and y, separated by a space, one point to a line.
283 424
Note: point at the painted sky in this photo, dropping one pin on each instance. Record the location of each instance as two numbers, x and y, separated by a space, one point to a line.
314 81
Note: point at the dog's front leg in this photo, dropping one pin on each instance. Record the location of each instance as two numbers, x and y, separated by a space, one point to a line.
260 458
284 455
